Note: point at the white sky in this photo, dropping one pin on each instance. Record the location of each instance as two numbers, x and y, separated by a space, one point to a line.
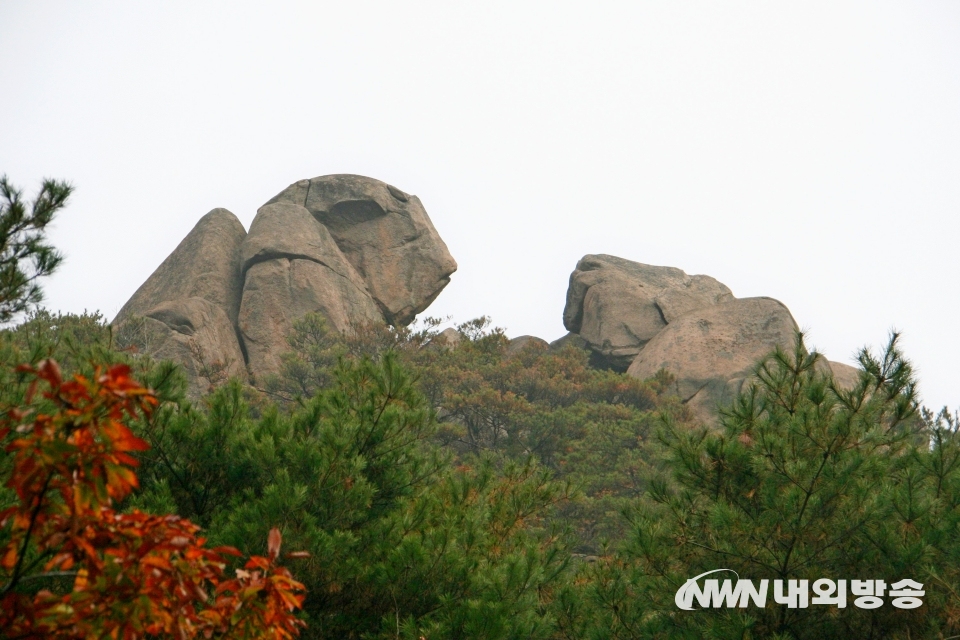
804 151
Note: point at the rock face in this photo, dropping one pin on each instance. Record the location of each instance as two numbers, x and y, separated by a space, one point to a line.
189 305
571 339
293 267
713 349
206 264
449 337
197 334
353 249
844 375
385 234
617 306
641 319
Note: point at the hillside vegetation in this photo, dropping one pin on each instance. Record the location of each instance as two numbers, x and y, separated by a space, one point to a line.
469 490
448 484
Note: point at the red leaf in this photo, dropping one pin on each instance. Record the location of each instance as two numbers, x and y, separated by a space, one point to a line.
49 370
31 390
273 543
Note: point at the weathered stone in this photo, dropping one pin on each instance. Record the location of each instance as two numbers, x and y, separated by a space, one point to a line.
571 339
844 375
617 306
188 306
449 337
286 230
711 350
196 334
206 264
521 343
385 234
292 267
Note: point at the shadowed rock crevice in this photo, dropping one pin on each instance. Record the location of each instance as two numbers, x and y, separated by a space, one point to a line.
349 213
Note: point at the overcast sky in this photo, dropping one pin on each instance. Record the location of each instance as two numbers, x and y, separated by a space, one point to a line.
805 151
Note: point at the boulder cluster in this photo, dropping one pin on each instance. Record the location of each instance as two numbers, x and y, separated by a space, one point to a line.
357 250
640 318
352 248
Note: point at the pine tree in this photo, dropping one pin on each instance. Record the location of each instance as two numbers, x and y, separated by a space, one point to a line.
24 254
804 480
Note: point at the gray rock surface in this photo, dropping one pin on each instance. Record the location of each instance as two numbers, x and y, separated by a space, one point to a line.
617 306
292 266
449 337
385 234
844 375
712 350
199 336
353 249
571 339
206 264
186 311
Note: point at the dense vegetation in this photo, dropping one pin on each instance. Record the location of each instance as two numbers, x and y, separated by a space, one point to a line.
474 488
477 491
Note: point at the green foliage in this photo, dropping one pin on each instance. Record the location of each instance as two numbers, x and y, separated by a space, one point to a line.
78 343
402 542
24 255
804 480
475 490
587 427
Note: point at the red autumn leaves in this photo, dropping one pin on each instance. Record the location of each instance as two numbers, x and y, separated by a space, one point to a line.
73 567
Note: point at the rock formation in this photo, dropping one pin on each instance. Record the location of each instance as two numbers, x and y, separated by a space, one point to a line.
188 306
197 334
449 337
844 375
642 318
385 234
353 249
357 250
292 267
712 350
206 264
618 306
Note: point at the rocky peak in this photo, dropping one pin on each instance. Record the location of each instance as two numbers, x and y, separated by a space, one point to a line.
385 234
351 248
641 318
617 306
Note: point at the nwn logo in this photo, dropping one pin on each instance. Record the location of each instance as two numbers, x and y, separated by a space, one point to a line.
714 594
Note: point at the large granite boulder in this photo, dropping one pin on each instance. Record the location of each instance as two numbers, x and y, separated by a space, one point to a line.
617 306
206 264
712 350
292 266
186 310
354 249
196 334
385 234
